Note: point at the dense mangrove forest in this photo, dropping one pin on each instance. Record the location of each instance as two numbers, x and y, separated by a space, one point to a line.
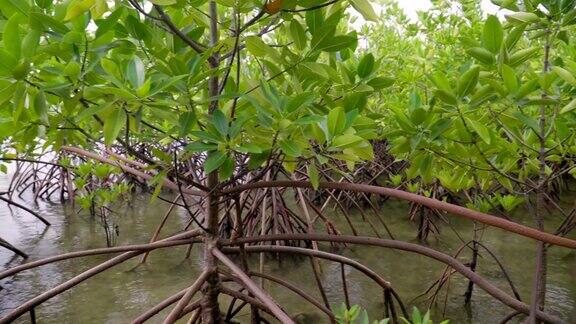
287 161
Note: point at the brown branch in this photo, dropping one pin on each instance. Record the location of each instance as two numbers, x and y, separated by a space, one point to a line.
6 245
428 202
409 247
176 313
296 290
31 303
253 287
166 183
35 214
80 254
176 31
159 307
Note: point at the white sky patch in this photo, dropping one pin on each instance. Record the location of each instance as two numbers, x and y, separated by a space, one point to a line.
412 6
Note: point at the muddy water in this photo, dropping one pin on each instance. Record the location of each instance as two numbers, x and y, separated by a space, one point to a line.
123 292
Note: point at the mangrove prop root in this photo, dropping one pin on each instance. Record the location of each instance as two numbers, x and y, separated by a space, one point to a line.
18 311
253 287
428 202
176 313
6 245
404 246
35 214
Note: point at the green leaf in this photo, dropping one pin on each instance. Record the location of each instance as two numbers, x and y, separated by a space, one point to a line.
186 121
256 46
113 125
20 5
11 36
526 89
41 107
214 161
200 147
493 35
365 9
298 34
30 43
314 20
522 56
316 68
514 36
290 148
510 79
483 55
467 82
220 122
523 17
446 96
336 121
526 120
163 2
366 65
480 129
416 317
226 169
569 107
565 75
250 148
135 72
313 175
77 8
440 81
439 127
93 110
49 23
380 82
336 43
346 140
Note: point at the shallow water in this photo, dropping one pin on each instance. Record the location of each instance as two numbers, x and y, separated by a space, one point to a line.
123 292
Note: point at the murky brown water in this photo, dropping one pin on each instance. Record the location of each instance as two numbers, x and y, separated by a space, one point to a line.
123 292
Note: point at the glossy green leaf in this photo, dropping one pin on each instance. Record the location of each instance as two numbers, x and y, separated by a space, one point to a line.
290 148
78 7
483 55
565 75
569 107
136 72
214 161
366 65
220 122
298 34
30 43
11 36
313 175
41 107
446 96
163 2
522 56
481 130
226 169
379 83
523 17
346 140
510 78
113 125
186 121
493 34
257 47
336 43
336 121
365 9
467 82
